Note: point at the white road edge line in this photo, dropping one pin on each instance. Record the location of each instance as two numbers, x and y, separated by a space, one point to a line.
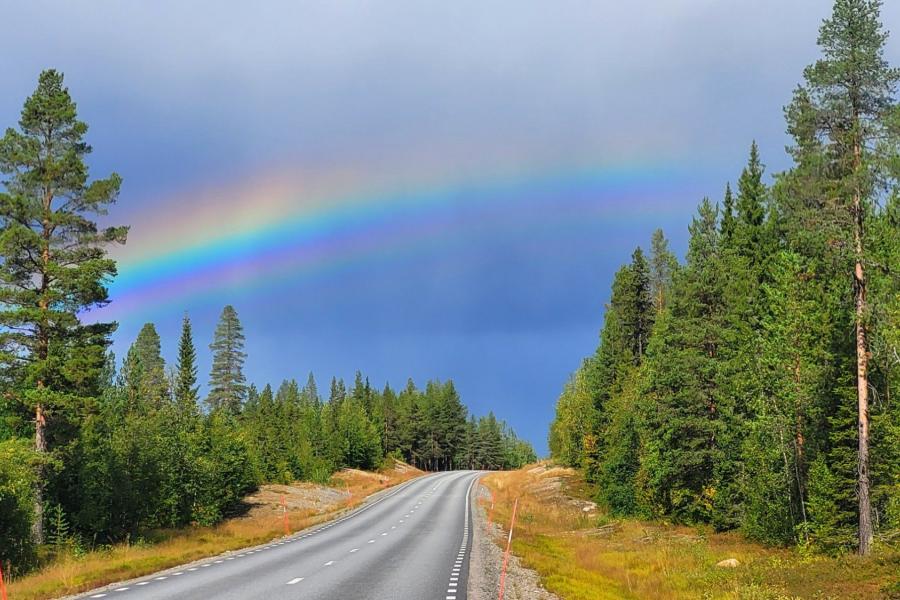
400 488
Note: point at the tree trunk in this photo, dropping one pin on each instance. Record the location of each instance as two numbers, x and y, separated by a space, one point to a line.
799 443
40 445
866 535
43 353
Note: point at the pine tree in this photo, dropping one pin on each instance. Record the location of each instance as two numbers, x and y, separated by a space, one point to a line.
186 389
227 388
843 143
53 262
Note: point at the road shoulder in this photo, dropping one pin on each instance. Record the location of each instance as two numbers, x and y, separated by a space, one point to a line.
487 559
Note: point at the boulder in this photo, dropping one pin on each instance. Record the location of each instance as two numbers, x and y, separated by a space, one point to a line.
728 563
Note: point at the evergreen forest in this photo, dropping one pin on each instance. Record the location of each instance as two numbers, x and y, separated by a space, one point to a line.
753 385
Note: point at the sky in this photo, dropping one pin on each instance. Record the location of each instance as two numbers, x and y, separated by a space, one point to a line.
432 190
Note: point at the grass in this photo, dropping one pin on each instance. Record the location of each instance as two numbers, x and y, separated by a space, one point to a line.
589 556
71 574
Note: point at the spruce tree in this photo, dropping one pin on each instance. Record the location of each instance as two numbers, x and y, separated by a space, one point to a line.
663 266
227 387
638 306
53 263
749 231
684 423
728 216
744 258
311 391
144 370
186 389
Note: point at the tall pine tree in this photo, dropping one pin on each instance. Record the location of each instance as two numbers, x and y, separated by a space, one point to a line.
53 264
844 144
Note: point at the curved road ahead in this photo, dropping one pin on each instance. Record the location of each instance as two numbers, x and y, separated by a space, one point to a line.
412 543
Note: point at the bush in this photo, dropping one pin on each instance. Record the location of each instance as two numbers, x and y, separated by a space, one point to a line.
17 484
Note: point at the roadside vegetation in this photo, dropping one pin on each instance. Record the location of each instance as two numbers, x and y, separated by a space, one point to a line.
752 388
75 570
582 552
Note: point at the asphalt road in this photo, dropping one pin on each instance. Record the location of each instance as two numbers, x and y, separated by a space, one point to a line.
411 543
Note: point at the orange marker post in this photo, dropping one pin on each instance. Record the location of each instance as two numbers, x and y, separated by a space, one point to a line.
2 584
508 544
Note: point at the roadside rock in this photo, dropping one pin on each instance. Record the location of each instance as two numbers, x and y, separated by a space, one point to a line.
729 563
487 559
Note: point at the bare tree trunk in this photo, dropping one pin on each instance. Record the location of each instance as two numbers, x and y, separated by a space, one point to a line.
40 445
43 353
866 534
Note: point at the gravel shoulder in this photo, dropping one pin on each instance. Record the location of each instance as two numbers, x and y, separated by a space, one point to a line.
488 545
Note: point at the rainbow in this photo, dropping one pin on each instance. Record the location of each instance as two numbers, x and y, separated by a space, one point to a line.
276 226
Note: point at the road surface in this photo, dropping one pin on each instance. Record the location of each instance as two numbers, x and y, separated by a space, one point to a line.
412 543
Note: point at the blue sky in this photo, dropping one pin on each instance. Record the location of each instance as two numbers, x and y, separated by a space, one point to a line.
185 94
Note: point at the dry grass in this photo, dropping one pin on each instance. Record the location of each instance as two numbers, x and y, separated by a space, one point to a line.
583 555
71 575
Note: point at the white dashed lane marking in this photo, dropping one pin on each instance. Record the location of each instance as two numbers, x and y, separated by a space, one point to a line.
457 564
273 544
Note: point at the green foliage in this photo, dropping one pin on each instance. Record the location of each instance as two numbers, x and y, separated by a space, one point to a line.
17 482
576 417
620 465
743 413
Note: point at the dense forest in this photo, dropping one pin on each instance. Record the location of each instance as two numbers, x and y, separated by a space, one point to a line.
94 452
753 385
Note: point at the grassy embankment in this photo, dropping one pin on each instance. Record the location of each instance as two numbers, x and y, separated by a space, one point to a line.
588 556
71 574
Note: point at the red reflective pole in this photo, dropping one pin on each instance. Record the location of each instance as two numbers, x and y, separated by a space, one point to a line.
508 544
2 585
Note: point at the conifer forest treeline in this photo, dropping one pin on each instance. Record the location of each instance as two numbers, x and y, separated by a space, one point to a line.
94 452
753 386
